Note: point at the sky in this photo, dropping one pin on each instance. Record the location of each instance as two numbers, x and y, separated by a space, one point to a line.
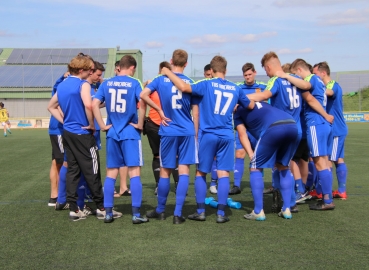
336 31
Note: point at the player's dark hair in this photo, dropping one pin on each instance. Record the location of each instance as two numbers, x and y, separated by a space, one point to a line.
248 66
218 64
165 64
99 66
207 67
117 64
267 57
127 61
323 66
179 58
1 105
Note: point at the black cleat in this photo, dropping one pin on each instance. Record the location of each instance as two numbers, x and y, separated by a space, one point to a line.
108 218
52 202
277 201
197 217
235 190
222 219
268 190
294 209
154 214
321 206
61 206
178 220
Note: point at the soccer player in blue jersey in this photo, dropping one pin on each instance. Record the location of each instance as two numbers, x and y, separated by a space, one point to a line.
249 86
123 139
177 135
74 97
318 132
339 127
275 130
219 98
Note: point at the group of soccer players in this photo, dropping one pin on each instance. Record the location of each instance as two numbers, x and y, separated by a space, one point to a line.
280 125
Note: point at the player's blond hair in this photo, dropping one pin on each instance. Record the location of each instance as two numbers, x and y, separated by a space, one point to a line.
78 63
267 57
299 63
218 64
179 58
286 68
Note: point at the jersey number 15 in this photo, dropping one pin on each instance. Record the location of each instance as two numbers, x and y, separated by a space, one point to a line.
117 103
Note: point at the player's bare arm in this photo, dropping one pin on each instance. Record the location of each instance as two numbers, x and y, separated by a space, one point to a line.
329 92
53 108
146 98
260 96
180 84
299 83
97 114
87 102
244 139
314 104
141 115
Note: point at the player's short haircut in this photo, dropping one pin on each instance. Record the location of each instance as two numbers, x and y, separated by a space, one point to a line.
248 66
299 63
127 61
85 55
78 63
218 64
207 67
116 64
99 66
323 66
267 57
286 67
165 64
179 58
310 67
1 105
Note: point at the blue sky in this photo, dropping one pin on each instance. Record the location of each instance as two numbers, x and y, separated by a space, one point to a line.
336 31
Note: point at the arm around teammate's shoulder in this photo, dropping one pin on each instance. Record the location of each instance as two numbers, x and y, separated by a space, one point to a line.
178 82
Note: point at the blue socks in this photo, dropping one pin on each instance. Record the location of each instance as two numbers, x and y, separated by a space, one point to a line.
62 185
109 185
238 171
136 195
325 180
341 172
286 189
163 191
200 191
311 176
181 193
299 186
257 186
276 179
81 192
223 188
214 175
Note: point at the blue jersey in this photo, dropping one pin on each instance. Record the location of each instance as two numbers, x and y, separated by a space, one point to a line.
260 118
94 88
219 97
318 91
175 105
257 87
286 97
55 127
69 97
121 94
335 108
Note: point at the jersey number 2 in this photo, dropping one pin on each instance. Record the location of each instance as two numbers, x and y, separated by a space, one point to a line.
117 104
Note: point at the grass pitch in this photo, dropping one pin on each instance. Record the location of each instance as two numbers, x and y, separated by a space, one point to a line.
35 236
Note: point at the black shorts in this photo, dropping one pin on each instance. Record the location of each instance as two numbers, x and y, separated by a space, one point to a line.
152 132
57 148
302 151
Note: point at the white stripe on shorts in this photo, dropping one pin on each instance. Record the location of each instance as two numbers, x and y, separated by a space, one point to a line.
334 149
60 143
314 141
95 164
253 159
140 152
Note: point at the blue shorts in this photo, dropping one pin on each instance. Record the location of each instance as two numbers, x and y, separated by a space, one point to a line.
319 140
238 144
98 139
276 145
65 156
123 153
338 148
183 147
212 146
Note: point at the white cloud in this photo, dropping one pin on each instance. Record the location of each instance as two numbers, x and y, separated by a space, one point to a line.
6 34
207 39
154 44
303 3
350 16
289 51
255 37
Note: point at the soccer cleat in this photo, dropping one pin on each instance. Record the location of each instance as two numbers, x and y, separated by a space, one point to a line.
75 216
268 190
88 211
139 220
100 214
5 135
213 189
285 214
257 217
277 201
178 220
156 191
294 209
314 195
235 190
52 202
154 214
61 206
321 206
302 197
222 219
197 217
339 195
108 218
8 131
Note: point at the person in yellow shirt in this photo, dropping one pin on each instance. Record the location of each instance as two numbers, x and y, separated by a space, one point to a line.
4 119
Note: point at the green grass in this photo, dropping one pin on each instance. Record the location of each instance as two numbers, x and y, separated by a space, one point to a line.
35 236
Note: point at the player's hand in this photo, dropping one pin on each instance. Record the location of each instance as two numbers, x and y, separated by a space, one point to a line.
105 128
66 74
164 71
329 118
164 119
281 74
147 82
137 126
235 108
90 128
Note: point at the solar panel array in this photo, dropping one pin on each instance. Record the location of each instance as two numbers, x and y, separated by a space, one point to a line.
34 76
54 56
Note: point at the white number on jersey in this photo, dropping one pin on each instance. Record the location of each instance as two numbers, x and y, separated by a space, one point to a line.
294 98
258 104
219 95
117 103
325 100
175 98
